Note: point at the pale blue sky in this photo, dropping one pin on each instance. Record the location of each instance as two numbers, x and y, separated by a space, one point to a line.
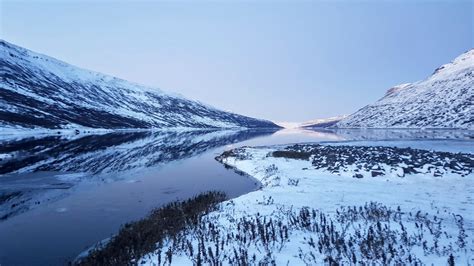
279 60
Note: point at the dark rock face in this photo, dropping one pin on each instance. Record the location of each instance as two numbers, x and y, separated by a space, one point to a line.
37 91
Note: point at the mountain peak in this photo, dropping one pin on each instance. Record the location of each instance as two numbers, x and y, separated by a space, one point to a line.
463 61
444 100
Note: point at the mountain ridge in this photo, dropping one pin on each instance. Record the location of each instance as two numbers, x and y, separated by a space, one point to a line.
443 100
39 91
322 122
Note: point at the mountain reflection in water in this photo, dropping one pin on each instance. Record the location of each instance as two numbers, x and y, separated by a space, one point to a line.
60 194
39 169
111 152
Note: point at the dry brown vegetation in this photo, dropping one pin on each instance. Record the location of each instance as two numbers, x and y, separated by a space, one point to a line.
136 239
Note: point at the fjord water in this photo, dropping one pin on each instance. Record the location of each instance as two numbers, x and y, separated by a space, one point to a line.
60 194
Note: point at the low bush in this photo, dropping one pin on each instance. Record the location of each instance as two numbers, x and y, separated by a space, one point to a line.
136 239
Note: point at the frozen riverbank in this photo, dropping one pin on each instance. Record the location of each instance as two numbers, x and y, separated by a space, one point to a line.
323 203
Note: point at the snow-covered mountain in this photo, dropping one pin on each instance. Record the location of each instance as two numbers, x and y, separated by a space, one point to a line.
37 91
322 123
444 100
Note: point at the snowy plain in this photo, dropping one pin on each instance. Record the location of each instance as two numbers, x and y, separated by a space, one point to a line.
289 186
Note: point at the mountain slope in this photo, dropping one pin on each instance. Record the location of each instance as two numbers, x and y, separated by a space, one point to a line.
37 91
444 100
322 123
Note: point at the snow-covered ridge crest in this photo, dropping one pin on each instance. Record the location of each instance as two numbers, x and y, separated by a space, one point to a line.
465 60
38 91
62 69
397 88
443 100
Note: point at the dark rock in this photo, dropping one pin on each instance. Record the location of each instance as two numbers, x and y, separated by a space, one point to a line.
377 173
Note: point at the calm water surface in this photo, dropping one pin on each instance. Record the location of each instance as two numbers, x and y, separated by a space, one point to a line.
60 194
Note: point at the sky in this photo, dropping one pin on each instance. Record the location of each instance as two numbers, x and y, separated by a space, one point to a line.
278 60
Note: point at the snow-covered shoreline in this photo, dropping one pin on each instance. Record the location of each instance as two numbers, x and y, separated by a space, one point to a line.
290 186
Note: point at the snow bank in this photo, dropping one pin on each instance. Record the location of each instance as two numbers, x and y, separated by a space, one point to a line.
300 217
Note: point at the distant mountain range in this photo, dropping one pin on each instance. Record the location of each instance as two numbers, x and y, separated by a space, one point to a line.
322 123
37 91
443 100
